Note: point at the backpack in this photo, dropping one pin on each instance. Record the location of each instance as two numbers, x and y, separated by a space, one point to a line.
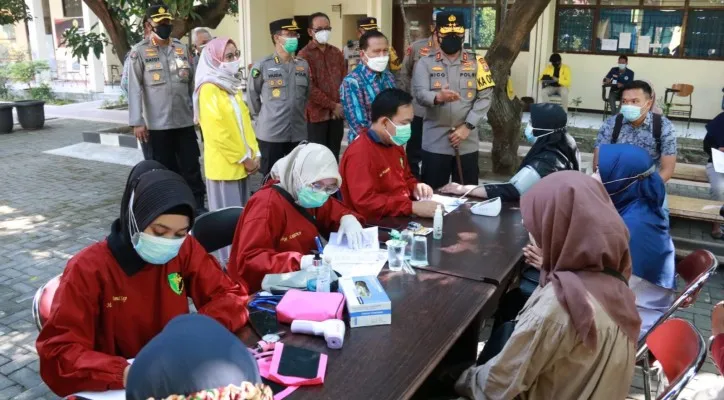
656 120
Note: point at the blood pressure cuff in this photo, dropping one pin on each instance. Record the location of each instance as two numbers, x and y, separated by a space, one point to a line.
516 187
275 283
310 306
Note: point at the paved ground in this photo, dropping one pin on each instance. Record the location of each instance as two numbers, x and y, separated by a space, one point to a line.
52 206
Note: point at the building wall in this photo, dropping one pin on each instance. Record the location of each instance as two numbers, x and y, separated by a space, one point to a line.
10 48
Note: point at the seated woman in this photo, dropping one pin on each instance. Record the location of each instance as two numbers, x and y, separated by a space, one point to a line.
552 150
116 295
576 336
714 139
629 175
282 220
196 357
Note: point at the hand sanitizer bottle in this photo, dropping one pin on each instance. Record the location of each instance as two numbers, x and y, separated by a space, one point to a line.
437 224
323 278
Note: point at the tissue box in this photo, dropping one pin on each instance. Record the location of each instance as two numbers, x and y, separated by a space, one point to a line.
367 301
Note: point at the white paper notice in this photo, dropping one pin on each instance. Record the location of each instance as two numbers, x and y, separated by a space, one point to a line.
624 40
643 45
609 44
717 158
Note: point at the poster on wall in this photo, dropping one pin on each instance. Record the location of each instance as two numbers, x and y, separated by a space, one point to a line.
63 24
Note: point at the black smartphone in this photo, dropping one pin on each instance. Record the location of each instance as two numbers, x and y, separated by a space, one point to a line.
263 322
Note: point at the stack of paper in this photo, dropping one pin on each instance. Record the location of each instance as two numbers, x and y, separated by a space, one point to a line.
450 204
365 261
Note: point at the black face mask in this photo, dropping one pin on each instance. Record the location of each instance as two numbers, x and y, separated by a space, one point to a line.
451 44
163 31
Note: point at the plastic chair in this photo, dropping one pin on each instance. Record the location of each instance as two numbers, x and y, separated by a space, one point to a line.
685 109
695 269
681 350
42 301
215 229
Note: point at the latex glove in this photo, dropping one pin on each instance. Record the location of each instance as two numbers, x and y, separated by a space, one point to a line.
350 227
306 262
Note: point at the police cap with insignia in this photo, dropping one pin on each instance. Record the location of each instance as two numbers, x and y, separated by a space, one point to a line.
368 24
158 13
450 22
284 24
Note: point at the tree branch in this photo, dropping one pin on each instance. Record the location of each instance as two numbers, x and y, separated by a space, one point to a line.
209 16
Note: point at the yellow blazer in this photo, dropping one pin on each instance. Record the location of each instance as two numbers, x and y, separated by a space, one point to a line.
224 147
565 75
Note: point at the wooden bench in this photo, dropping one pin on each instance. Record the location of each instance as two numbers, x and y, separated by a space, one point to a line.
696 209
690 172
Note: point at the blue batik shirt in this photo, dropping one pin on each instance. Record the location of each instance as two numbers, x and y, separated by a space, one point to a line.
641 136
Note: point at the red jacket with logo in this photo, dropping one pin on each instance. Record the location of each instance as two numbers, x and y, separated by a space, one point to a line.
100 316
376 179
272 235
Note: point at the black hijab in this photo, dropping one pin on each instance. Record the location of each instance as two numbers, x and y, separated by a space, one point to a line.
157 191
555 148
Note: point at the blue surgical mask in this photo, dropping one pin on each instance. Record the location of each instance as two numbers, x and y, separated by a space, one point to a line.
402 134
152 249
630 112
308 198
530 137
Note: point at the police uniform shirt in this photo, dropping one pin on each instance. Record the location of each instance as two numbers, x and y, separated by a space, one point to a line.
160 86
471 79
417 50
277 96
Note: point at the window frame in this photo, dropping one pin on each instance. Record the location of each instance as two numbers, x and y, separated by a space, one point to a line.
597 7
65 8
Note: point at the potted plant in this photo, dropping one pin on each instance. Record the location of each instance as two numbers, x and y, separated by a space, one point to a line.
31 113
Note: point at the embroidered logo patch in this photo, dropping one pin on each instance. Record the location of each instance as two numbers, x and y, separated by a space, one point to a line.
176 282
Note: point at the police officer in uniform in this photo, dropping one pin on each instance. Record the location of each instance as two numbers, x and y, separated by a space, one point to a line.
351 52
418 49
279 88
160 86
456 91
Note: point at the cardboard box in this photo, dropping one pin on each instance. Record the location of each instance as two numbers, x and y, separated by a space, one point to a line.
367 301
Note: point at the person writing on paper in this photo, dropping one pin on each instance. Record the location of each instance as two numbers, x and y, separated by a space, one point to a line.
377 181
618 77
714 139
116 295
282 219
556 80
552 149
576 336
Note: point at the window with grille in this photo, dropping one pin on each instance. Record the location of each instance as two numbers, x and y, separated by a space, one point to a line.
72 8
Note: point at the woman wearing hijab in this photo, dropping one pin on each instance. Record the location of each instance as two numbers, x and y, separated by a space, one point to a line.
629 175
196 357
552 149
282 220
714 139
576 336
116 295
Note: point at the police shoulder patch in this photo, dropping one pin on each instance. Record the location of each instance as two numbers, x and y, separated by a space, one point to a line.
255 72
134 55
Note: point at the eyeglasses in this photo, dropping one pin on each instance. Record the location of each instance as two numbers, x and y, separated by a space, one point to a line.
289 35
232 56
318 187
329 28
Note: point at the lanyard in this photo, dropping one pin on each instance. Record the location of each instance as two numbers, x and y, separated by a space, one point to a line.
237 111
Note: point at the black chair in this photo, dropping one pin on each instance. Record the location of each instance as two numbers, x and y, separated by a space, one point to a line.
605 92
215 229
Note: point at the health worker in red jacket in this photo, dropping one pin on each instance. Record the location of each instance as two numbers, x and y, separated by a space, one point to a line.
377 178
282 219
116 295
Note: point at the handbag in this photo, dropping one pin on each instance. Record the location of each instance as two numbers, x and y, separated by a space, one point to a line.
310 306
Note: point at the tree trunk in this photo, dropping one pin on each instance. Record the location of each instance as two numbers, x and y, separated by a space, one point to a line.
504 116
405 24
113 26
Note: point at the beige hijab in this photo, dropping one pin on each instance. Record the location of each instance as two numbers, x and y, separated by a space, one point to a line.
306 164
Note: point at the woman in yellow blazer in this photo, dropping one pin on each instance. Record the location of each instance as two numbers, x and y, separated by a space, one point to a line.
556 80
231 152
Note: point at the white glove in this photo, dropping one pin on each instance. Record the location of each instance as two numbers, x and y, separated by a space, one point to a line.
306 262
350 227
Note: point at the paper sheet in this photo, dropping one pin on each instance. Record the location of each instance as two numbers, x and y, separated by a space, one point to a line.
609 44
624 40
717 158
342 254
450 204
107 395
643 45
362 269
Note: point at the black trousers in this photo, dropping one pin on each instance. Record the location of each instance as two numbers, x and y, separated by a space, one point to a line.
327 133
414 147
437 169
178 150
271 152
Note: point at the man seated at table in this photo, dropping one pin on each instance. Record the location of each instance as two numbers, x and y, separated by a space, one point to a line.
618 77
376 177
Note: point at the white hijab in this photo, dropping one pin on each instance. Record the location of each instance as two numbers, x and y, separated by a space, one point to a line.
306 164
208 71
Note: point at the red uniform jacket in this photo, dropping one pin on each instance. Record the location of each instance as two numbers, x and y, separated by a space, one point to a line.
272 235
376 180
100 316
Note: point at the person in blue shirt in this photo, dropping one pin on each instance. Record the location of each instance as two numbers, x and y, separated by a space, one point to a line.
619 76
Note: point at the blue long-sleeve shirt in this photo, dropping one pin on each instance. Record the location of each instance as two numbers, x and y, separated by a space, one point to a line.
357 92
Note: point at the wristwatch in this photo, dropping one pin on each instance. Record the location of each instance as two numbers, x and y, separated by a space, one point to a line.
470 126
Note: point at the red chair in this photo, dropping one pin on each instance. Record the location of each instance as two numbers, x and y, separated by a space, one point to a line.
42 301
681 351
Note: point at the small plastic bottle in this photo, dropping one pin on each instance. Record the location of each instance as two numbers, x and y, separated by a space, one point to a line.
437 224
323 271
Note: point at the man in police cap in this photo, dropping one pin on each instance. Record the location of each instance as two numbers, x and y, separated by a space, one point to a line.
417 50
160 86
279 88
352 51
456 91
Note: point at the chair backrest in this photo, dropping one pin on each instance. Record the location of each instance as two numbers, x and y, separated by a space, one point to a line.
681 351
215 229
684 90
43 300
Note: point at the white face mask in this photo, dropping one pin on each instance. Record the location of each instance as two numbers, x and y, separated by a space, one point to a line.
231 68
322 37
377 64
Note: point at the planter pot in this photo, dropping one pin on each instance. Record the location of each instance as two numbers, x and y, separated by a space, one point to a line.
6 118
31 113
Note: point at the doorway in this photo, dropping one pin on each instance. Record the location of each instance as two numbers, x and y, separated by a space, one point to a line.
419 18
349 28
303 23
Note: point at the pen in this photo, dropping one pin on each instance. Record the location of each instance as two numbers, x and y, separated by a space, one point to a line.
319 244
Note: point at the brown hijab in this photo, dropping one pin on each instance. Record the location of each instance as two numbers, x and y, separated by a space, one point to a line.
580 233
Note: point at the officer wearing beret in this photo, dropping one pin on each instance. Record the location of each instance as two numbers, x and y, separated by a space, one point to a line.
160 86
456 91
278 91
352 51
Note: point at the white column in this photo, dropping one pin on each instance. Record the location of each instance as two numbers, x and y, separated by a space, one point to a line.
36 27
245 32
95 76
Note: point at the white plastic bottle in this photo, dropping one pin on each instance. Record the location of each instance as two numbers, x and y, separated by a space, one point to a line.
323 276
437 224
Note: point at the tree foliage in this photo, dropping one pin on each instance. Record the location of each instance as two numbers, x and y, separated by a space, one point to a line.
13 11
25 71
82 43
